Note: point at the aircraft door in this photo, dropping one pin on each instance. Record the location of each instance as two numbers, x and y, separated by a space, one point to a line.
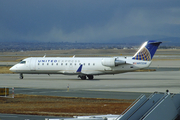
32 64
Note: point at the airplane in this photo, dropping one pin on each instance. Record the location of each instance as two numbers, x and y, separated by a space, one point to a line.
87 67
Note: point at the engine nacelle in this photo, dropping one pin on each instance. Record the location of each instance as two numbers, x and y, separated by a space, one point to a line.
109 62
119 62
112 62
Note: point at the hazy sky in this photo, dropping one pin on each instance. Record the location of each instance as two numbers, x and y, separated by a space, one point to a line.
87 20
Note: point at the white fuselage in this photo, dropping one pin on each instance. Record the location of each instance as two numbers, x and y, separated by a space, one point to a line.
69 65
87 67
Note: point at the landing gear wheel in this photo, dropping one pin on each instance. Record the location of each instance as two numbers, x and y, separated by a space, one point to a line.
21 76
82 77
90 77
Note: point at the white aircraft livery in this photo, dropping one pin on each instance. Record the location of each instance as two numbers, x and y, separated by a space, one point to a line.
87 67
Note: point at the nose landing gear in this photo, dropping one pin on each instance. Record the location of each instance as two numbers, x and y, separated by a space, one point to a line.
21 76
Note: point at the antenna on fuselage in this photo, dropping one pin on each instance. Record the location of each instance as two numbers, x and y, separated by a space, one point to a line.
44 55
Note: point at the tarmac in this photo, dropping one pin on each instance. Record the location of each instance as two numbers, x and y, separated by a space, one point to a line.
165 77
127 82
120 86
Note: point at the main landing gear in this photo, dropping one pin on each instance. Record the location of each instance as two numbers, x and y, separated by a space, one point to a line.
21 76
83 77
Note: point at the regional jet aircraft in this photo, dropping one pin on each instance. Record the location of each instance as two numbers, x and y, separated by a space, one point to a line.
87 67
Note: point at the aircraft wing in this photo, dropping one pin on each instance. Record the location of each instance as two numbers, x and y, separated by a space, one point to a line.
79 69
78 72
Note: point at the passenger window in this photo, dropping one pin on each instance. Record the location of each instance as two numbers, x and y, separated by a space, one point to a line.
66 63
38 63
47 63
42 63
61 63
93 63
56 63
52 63
88 63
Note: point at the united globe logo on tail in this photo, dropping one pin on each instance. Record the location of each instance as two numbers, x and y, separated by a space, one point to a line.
144 54
147 51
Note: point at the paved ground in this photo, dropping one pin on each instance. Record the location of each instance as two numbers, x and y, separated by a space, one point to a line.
23 117
127 82
127 85
79 93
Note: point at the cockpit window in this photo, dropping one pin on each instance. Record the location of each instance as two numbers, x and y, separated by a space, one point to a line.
23 62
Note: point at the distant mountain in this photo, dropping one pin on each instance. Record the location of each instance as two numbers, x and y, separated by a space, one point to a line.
135 40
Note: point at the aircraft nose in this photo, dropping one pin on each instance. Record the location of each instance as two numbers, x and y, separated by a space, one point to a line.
13 69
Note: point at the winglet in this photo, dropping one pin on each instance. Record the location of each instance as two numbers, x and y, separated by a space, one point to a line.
80 68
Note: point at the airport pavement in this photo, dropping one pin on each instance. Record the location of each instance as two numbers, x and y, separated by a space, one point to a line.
23 117
121 86
78 93
127 82
7 63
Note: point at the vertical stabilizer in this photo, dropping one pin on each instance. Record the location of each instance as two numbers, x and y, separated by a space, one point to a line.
147 50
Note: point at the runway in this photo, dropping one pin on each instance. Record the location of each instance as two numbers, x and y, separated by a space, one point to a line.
121 86
23 117
79 93
127 82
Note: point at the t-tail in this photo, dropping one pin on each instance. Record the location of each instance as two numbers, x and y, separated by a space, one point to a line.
147 50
